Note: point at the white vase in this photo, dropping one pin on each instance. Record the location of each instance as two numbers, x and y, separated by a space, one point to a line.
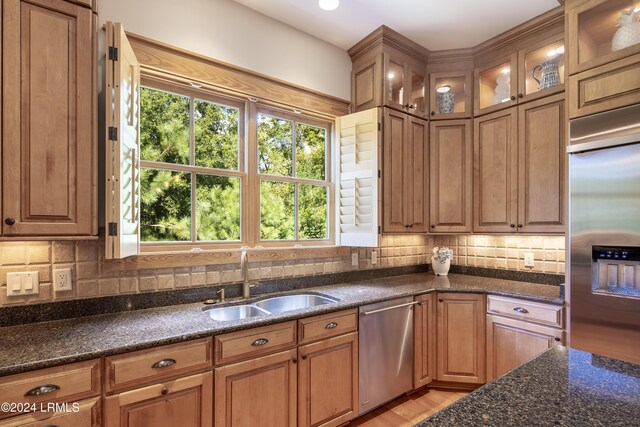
440 268
629 32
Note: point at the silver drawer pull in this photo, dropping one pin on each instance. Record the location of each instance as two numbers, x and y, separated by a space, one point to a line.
259 342
331 325
521 310
42 389
163 363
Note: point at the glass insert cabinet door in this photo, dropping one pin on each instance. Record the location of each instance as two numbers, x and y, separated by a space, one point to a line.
601 31
450 95
405 84
541 68
496 85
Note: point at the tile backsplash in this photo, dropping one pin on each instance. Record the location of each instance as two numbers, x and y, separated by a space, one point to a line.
89 279
506 252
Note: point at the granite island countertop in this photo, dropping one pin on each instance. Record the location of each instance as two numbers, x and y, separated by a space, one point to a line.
39 345
561 387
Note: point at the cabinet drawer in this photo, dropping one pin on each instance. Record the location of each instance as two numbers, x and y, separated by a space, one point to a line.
606 87
546 314
134 369
85 414
253 342
67 383
327 325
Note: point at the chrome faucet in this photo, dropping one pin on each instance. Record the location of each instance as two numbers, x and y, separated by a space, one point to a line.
244 268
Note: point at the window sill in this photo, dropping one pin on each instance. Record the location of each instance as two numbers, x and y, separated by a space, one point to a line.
170 259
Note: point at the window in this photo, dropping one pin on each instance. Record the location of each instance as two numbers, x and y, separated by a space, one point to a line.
293 174
194 181
191 167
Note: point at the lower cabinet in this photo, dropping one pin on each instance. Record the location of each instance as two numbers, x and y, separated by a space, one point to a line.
511 343
259 391
328 382
85 414
184 402
424 343
461 338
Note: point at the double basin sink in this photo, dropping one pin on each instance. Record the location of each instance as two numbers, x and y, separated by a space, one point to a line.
267 306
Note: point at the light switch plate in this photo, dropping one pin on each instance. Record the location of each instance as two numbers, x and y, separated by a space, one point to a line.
23 283
528 260
374 257
354 258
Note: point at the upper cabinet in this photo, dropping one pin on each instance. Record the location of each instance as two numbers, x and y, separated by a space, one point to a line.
603 56
390 70
601 31
450 95
49 104
532 72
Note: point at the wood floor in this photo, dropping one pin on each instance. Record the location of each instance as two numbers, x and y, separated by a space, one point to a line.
408 410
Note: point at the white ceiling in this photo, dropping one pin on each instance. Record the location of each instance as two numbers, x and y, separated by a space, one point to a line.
434 24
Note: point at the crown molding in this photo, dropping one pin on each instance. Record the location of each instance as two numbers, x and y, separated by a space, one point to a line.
387 36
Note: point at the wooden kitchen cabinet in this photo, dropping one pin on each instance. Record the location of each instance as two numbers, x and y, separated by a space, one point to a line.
517 78
461 338
389 70
404 173
48 114
450 176
519 168
185 402
261 391
424 343
511 343
328 381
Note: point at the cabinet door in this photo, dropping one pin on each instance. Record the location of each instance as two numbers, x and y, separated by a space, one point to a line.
496 85
417 99
541 128
366 82
396 86
495 172
328 381
416 165
394 176
184 402
260 392
47 104
424 344
450 176
461 338
510 343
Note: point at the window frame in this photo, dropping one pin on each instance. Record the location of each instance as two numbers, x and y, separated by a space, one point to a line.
204 95
328 181
249 108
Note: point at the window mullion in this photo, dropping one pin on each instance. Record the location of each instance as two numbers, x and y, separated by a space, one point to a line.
296 187
192 162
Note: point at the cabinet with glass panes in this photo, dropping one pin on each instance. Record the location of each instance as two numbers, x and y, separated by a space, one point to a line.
601 31
532 72
404 84
450 95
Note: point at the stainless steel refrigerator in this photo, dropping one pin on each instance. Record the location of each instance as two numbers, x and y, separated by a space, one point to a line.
603 276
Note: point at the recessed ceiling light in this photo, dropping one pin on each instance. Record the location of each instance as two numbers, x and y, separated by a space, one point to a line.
390 76
443 89
328 4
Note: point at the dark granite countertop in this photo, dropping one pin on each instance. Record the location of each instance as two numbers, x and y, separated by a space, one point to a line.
561 387
34 346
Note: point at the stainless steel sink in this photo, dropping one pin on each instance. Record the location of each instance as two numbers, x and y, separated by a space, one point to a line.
292 302
235 312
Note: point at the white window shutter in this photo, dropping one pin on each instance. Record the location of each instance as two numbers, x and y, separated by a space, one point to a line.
357 195
122 145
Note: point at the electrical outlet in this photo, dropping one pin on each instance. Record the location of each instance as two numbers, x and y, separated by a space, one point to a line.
62 280
354 259
374 257
528 260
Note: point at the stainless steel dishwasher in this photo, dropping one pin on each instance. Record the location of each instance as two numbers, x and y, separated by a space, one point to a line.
385 351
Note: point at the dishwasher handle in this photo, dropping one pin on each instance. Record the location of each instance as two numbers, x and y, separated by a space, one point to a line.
409 304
